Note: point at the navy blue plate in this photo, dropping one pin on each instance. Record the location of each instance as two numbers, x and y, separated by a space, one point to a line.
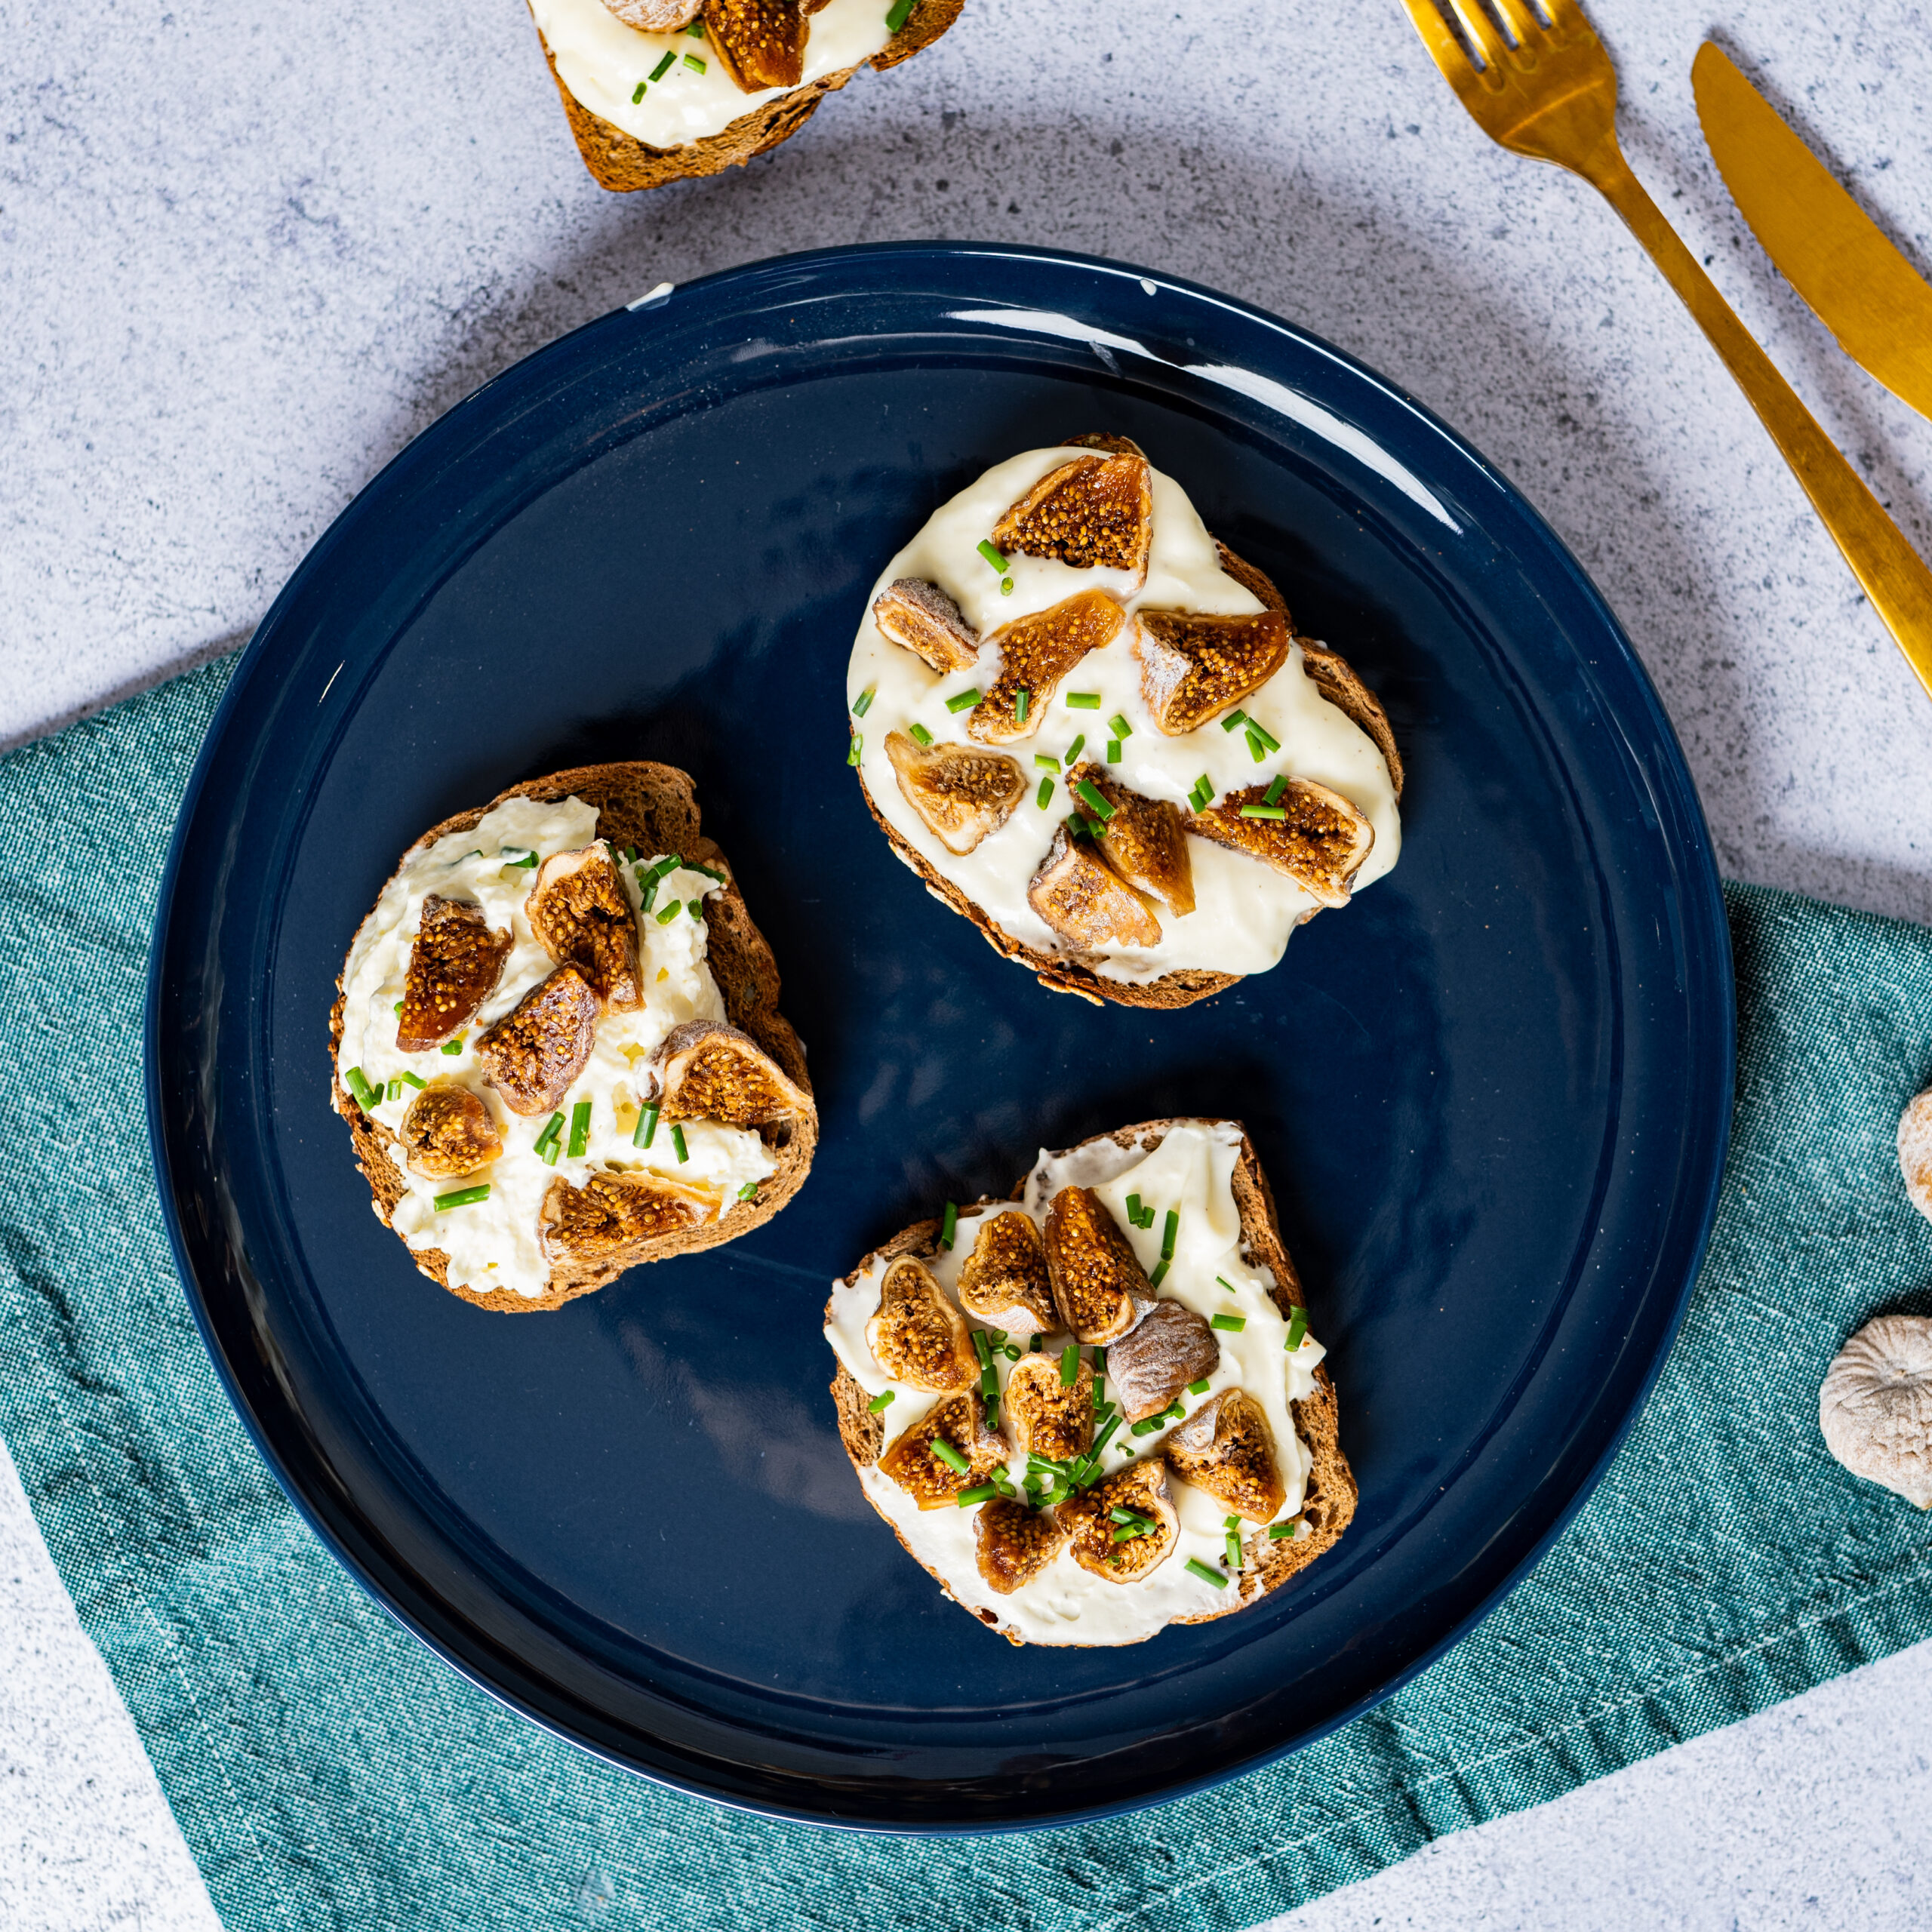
1493 1095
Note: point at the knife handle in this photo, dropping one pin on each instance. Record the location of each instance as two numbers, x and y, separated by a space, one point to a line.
1892 574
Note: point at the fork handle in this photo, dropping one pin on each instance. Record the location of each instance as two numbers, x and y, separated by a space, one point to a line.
1893 576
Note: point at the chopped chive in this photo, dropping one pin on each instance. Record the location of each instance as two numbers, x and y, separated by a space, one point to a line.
366 1097
672 862
1006 588
983 1346
992 555
695 907
902 11
943 1451
920 732
1089 796
1044 794
1257 750
399 1006
1168 1232
695 30
1148 1427
1277 1532
1261 731
1234 1549
547 1151
552 1128
1233 718
579 1130
1278 812
650 880
1202 796
880 1403
1297 1327
1133 1209
949 1225
646 1129
749 1191
1120 1513
678 1144
1099 1362
639 94
1042 762
1159 1274
1128 1532
1113 751
696 66
854 752
463 1197
1105 1435
1037 1344
1228 1284
670 912
630 855
454 1046
410 1080
394 1091
963 700
1073 750
692 866
1207 1576
984 1493
1083 700
663 66
1119 727
1069 1364
1231 1324
1198 1388
1277 786
1022 698
862 702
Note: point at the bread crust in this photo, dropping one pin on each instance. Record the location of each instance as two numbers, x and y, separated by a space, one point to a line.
1330 1495
1064 972
652 807
623 164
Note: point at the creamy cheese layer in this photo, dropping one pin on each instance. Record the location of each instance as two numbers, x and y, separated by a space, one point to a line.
495 1244
1191 1170
1245 910
604 63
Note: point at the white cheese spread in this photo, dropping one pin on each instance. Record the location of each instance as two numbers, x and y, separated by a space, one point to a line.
607 66
1245 910
1190 1169
495 1244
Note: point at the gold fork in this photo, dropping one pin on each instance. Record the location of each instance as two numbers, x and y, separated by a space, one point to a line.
1549 91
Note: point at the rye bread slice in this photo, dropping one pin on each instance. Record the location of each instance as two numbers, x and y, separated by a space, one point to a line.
1062 972
653 807
621 163
1329 1498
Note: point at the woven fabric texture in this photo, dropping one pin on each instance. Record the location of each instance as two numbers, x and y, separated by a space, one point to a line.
329 1772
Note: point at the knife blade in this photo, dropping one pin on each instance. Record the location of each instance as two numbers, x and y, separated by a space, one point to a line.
1830 250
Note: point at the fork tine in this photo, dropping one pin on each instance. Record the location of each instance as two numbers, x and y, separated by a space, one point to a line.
1482 31
1516 15
1566 16
1445 49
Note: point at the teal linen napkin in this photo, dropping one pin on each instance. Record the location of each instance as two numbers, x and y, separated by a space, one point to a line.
329 1772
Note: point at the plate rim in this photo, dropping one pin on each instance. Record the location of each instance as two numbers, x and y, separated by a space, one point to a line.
1703 910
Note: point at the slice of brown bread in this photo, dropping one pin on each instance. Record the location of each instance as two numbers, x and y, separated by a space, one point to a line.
620 162
1064 972
1330 1495
653 807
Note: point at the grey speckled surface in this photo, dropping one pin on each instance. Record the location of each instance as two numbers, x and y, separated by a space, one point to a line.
245 253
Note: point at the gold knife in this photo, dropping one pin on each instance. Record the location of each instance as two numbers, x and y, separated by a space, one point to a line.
1830 250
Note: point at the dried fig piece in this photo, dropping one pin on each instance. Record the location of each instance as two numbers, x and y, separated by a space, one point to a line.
1035 654
918 1336
1121 1551
1100 439
963 795
920 617
453 968
579 911
1004 1281
932 1482
656 16
1228 1449
1095 512
1320 842
449 1131
532 1054
609 1212
1086 901
1048 1417
1098 1286
762 43
1145 841
1193 667
1015 1543
1168 1348
706 1070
